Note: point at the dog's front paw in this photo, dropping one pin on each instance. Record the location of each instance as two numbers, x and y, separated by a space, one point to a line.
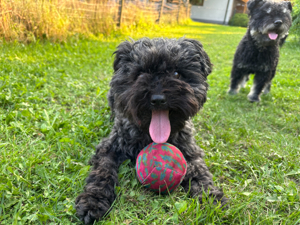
90 208
224 202
253 98
218 197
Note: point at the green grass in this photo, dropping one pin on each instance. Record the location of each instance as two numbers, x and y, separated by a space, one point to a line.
53 111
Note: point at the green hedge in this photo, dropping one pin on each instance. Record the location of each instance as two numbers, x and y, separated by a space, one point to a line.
239 19
295 29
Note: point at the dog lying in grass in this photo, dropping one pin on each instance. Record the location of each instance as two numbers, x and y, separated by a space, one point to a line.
154 80
258 51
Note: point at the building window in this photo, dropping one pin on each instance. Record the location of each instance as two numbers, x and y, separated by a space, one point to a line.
173 1
197 2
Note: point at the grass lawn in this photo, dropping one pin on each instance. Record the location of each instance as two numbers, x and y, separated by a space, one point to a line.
53 111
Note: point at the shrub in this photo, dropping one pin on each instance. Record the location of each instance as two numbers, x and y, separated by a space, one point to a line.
295 29
239 19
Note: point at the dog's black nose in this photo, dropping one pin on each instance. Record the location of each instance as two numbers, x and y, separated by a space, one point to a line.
158 100
278 22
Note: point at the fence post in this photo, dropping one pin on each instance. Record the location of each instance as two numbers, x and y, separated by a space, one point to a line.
178 11
187 8
120 13
161 11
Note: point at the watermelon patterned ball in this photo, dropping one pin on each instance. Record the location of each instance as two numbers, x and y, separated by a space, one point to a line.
161 167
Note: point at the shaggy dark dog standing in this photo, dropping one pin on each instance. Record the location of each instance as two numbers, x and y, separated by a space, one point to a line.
166 76
258 51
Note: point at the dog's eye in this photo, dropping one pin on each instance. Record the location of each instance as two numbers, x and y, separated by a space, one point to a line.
176 75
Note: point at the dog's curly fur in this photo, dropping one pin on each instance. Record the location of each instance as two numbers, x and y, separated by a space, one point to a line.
174 69
257 53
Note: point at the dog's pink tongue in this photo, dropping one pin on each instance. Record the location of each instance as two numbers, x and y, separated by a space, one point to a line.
160 127
273 36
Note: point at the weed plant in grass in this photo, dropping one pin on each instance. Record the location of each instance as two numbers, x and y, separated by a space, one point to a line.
53 111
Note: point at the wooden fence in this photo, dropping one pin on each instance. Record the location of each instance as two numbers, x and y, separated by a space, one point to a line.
57 19
155 10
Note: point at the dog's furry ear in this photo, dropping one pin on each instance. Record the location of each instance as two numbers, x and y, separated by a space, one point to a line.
121 53
288 5
111 101
252 4
204 59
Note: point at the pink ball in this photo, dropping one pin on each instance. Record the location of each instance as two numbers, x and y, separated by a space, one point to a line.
161 167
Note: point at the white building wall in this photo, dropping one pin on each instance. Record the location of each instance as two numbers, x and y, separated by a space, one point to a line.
212 11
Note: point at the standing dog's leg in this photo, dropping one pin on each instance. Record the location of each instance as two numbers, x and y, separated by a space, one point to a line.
99 192
261 80
267 88
238 77
244 81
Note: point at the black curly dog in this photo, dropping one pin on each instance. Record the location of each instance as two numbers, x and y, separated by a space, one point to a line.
158 75
258 51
